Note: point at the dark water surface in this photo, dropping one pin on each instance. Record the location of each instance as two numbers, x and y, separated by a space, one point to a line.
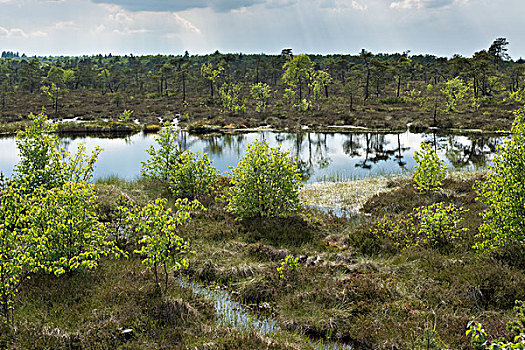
323 156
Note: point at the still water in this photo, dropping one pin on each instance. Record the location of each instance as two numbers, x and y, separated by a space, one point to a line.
322 156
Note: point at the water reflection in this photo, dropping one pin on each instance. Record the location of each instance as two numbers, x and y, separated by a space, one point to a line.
320 155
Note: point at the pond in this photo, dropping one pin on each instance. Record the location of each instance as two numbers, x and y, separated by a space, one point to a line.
322 156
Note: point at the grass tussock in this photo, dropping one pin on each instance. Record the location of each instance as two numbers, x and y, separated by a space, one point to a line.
350 286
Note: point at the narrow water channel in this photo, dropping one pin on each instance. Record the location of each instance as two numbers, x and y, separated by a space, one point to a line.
236 315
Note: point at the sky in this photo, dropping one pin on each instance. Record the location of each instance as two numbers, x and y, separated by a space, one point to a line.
141 27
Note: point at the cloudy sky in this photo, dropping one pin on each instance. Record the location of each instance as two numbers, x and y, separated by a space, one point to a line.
440 27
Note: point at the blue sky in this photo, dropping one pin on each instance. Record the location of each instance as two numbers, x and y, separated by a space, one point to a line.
440 27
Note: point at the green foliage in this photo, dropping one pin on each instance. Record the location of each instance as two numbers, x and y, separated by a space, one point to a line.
15 246
64 224
44 163
265 183
478 335
430 171
230 96
163 160
456 92
160 244
54 93
289 95
435 226
124 116
194 176
261 92
287 267
503 191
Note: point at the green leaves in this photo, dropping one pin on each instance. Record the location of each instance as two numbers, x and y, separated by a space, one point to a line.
44 163
430 171
158 226
193 176
264 183
261 92
503 191
436 226
162 160
65 228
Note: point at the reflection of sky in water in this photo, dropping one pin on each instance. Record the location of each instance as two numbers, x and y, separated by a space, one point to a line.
350 155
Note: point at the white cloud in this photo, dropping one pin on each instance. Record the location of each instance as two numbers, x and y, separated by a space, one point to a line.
12 33
64 24
99 29
39 34
418 4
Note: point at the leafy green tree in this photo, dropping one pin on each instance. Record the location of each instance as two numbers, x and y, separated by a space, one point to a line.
194 176
64 222
230 95
319 84
261 92
163 160
160 244
298 71
213 74
15 245
456 93
430 171
54 93
44 163
265 183
503 191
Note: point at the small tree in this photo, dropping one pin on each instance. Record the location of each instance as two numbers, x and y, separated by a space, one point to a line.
160 243
430 171
15 247
44 163
265 183
194 176
163 160
261 92
63 221
503 191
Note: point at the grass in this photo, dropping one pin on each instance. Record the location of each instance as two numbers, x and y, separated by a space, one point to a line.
350 286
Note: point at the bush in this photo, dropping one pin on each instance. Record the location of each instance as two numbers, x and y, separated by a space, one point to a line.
435 226
62 222
478 336
503 191
430 171
163 160
160 244
265 183
44 163
194 176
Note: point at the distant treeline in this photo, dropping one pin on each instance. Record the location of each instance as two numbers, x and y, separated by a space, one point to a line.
296 82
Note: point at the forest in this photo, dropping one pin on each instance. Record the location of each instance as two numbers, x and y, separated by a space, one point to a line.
283 91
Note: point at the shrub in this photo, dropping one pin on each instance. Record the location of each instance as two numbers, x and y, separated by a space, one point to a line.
194 176
430 171
15 247
436 226
265 183
44 163
503 191
63 223
478 336
288 266
160 244
162 160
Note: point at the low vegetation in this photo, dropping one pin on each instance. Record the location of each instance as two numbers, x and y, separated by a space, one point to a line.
113 267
